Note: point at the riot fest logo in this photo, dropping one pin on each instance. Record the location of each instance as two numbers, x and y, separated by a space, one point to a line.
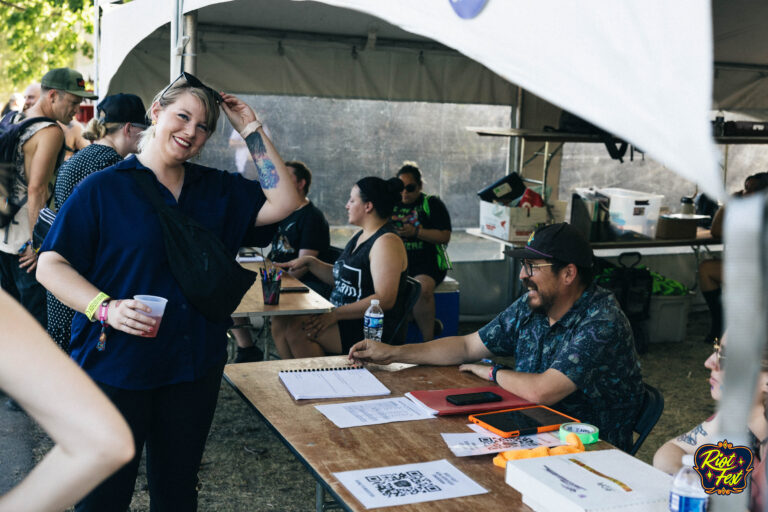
723 468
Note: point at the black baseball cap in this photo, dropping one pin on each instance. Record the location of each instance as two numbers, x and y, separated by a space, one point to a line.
67 80
559 241
122 108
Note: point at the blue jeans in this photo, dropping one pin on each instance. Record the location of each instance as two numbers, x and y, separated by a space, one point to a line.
174 422
23 286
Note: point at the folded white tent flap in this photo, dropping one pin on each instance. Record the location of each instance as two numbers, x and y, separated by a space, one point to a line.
641 69
745 304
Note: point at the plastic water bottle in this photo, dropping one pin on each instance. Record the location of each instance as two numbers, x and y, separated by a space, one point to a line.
687 495
373 322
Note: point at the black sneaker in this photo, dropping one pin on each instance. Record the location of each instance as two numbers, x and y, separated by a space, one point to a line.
13 405
249 355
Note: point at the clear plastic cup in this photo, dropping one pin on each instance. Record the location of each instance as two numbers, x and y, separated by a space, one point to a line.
157 305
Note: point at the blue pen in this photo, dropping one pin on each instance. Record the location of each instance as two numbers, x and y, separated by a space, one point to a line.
486 361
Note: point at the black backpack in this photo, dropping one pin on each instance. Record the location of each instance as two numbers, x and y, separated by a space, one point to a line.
632 285
570 123
9 139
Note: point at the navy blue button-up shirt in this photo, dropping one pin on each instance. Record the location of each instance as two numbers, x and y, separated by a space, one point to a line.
109 232
592 345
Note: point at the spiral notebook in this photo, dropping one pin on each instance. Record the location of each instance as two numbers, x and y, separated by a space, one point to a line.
344 382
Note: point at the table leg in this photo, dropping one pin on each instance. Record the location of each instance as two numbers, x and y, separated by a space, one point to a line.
320 504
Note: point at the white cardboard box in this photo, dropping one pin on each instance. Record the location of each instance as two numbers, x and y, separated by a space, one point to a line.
516 224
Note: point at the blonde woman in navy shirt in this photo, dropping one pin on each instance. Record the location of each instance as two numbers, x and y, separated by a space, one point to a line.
107 246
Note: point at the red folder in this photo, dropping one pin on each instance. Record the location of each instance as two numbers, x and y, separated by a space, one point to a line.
435 399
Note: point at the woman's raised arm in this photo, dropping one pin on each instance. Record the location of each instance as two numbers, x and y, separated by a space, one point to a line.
282 196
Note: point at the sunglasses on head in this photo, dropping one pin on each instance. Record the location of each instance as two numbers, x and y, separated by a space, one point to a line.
193 81
411 187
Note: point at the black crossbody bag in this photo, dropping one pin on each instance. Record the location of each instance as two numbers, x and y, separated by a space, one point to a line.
210 278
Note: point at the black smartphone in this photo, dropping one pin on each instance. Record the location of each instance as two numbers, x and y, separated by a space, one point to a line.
294 289
473 398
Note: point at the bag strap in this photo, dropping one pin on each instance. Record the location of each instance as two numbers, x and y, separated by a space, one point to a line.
145 182
425 204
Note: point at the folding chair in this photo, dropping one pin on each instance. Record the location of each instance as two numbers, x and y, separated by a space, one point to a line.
653 406
412 290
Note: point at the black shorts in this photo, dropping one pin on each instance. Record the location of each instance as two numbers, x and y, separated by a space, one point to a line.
350 332
418 268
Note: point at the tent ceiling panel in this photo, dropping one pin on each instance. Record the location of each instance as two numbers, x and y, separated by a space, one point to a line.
310 17
308 48
741 55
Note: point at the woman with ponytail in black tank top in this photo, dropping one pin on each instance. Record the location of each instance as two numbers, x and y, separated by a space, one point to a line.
372 266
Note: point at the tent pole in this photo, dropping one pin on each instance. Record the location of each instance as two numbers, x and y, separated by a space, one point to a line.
176 39
96 45
189 56
513 150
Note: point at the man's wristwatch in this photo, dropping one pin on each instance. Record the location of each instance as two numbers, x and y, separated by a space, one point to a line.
495 370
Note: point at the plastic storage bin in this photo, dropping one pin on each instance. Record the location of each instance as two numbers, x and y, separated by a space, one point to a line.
446 310
633 211
668 317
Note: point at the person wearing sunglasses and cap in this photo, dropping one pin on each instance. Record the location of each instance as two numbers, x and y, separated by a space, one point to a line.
114 133
572 344
424 224
107 245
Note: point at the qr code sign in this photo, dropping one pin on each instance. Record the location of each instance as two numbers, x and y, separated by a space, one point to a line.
501 443
402 484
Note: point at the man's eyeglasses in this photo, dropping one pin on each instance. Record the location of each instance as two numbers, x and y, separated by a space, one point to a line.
193 81
411 187
530 267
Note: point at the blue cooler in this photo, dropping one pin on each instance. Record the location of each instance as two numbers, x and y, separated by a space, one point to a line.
446 310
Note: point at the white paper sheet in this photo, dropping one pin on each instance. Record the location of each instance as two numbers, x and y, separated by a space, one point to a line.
465 445
373 412
408 483
480 430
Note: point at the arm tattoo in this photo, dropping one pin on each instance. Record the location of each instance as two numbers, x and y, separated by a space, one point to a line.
692 437
268 176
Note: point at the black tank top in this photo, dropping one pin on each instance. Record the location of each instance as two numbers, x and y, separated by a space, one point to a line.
352 279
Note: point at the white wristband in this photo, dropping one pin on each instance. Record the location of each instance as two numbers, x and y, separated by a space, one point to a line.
250 128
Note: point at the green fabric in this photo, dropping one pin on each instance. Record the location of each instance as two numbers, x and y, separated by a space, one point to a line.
661 285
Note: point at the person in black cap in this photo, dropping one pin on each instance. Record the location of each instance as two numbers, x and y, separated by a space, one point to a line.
572 344
114 133
373 265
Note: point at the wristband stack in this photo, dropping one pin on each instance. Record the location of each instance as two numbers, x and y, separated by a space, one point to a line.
93 306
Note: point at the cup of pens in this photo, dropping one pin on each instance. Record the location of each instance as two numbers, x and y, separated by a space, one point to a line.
270 285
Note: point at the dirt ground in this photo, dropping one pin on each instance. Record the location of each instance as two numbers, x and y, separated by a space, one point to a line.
246 467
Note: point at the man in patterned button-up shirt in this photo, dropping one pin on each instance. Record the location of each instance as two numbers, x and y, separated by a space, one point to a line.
572 344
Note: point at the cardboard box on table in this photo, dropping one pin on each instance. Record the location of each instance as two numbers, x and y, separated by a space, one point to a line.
678 226
517 224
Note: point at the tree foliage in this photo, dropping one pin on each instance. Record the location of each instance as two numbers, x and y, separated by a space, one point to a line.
43 34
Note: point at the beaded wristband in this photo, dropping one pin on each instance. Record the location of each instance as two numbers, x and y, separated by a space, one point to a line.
90 311
250 128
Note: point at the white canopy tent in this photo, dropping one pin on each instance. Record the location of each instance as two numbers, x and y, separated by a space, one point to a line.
649 71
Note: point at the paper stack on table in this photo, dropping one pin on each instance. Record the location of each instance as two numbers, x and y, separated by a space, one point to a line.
601 480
